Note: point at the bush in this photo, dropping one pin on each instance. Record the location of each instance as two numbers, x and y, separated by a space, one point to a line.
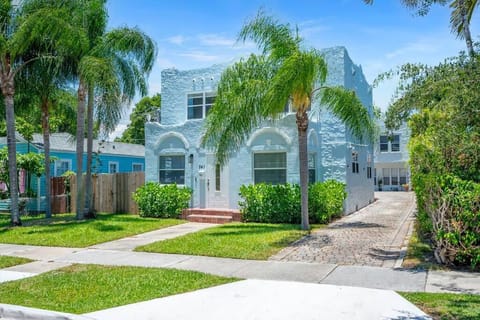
452 206
167 201
325 200
281 203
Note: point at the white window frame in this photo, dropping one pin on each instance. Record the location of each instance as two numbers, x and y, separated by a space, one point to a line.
383 143
184 167
312 156
204 105
391 143
269 168
57 163
137 164
117 169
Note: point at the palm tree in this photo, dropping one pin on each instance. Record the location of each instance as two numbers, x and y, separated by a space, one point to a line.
127 56
259 87
460 17
25 36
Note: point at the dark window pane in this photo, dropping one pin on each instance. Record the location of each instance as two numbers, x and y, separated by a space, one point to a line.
270 160
195 99
311 176
396 143
172 176
195 112
210 99
172 162
277 176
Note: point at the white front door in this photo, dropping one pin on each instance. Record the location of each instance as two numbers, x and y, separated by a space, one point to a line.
216 184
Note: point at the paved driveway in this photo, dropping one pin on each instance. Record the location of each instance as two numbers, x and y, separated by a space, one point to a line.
372 236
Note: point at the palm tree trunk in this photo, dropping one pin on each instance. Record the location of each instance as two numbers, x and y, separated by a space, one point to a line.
80 142
8 90
88 178
46 148
466 27
302 126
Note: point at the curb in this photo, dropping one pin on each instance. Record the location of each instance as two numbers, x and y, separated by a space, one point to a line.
14 312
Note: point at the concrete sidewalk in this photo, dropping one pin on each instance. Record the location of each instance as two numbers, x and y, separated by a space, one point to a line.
279 300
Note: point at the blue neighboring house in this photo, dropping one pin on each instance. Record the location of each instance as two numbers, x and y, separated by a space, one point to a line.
108 157
173 153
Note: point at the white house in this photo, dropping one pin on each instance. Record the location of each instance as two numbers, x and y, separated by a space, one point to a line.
391 160
173 153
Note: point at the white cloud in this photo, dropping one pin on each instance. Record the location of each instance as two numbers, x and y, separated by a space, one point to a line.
200 56
178 39
164 63
215 40
118 132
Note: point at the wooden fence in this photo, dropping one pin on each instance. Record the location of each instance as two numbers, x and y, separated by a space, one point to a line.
112 193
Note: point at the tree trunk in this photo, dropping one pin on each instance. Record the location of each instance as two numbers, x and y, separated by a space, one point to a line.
466 27
80 142
88 178
302 126
46 149
8 91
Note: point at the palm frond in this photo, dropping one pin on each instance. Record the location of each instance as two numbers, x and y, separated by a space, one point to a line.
271 36
240 106
346 106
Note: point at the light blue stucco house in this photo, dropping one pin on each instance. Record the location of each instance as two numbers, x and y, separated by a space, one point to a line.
173 153
392 172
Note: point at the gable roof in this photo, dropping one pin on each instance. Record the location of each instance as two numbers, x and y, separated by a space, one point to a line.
64 141
18 138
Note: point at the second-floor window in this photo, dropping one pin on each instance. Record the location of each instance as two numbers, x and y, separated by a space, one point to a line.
199 104
393 141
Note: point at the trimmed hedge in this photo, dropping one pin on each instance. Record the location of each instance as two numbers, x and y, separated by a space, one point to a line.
161 201
449 209
281 203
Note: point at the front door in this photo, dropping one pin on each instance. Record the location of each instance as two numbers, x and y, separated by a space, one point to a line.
216 184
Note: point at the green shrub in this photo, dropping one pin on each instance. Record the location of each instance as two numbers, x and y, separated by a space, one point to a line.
452 206
281 203
167 201
325 200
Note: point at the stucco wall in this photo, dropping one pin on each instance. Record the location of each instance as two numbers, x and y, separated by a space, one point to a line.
329 139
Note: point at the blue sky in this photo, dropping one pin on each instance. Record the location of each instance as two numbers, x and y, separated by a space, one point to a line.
199 33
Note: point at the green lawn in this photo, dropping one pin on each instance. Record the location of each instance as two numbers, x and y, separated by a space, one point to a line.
63 230
234 240
447 306
6 261
87 288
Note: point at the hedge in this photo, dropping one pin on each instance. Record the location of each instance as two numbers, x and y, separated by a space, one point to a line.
281 203
161 201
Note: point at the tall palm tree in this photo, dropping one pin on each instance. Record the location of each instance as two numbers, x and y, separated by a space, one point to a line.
460 17
127 56
259 87
26 36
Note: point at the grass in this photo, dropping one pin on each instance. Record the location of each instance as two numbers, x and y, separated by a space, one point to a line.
420 253
447 306
87 288
6 261
63 230
236 240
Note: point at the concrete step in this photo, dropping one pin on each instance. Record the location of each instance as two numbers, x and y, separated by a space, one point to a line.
205 218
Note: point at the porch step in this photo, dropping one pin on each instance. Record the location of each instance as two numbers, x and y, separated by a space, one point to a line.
209 219
211 215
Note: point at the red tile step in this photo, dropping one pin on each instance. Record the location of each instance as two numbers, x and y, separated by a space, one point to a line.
210 215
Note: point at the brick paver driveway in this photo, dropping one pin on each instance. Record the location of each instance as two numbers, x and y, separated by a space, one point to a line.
373 236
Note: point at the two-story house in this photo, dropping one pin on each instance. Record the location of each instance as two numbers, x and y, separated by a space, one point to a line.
173 152
391 160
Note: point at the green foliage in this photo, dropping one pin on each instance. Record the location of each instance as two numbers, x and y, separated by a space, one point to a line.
453 208
155 200
281 203
147 107
325 200
270 203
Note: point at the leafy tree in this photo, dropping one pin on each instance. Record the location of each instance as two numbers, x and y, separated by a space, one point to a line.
260 86
146 108
460 17
25 36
